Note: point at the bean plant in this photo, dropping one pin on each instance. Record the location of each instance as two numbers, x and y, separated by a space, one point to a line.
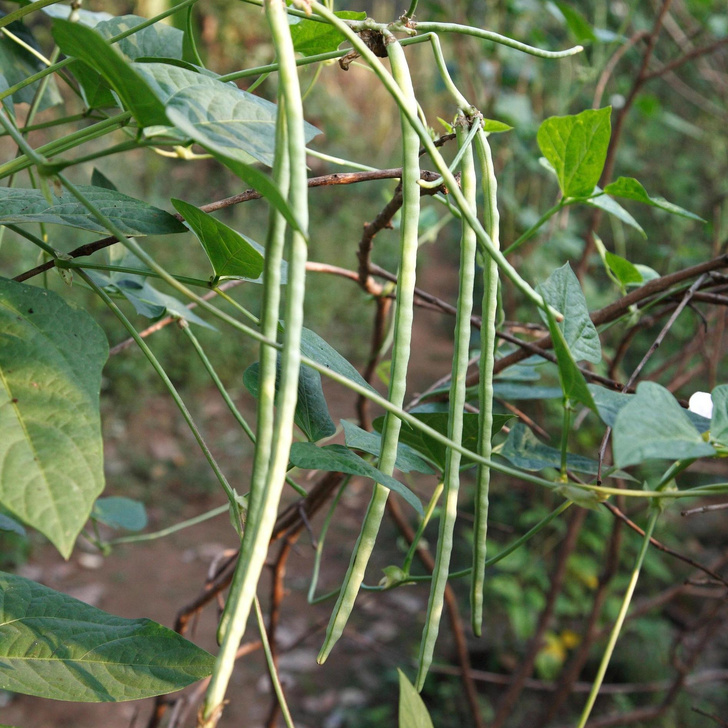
103 86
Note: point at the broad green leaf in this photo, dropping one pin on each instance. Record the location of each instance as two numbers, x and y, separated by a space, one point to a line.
224 119
314 347
407 459
133 217
90 47
562 291
653 426
339 459
87 17
572 380
54 646
577 23
581 496
10 524
99 179
95 90
525 450
608 403
155 41
630 189
606 203
231 254
17 64
576 147
719 422
412 710
431 449
51 454
311 37
119 512
312 412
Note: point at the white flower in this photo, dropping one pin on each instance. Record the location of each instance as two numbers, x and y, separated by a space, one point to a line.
702 404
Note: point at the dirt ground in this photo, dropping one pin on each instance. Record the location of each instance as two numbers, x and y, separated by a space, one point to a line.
152 451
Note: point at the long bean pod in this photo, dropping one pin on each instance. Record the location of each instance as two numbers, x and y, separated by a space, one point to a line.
268 481
485 386
400 352
468 247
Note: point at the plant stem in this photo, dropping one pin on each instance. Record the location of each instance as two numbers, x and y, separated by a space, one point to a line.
606 657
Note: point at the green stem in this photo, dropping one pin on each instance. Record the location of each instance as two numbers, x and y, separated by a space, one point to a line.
434 500
606 657
26 10
226 396
495 38
277 687
566 423
171 529
535 227
458 387
168 384
400 351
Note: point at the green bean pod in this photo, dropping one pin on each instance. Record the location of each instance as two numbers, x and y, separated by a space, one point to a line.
400 353
468 247
485 391
268 480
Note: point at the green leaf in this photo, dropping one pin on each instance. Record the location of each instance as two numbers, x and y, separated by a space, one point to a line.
653 426
312 412
54 646
224 119
495 127
433 450
576 147
99 179
572 380
311 37
90 47
96 92
51 454
606 203
630 189
562 291
314 347
155 41
231 254
339 459
577 24
17 64
581 496
608 403
133 217
525 450
624 273
119 512
407 459
719 422
412 710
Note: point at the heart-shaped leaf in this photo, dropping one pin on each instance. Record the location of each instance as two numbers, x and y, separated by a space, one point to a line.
51 454
54 646
576 146
337 458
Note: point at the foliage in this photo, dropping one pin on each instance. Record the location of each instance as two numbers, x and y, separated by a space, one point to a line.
131 88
